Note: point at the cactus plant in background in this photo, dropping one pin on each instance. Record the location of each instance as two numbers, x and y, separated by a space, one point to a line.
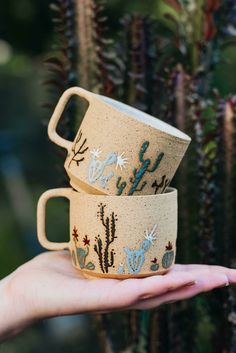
167 67
62 62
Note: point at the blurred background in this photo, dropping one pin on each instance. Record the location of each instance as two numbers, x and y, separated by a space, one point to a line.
142 51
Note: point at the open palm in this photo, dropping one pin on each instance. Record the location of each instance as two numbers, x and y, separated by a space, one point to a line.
49 286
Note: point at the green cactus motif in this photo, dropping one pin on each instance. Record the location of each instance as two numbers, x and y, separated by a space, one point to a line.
154 266
81 254
120 186
168 257
73 257
139 173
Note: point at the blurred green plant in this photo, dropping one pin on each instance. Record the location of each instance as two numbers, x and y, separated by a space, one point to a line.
167 66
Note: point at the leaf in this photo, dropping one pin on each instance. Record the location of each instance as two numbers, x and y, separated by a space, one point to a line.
174 4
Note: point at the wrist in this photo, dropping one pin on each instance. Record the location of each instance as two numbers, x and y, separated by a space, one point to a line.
13 312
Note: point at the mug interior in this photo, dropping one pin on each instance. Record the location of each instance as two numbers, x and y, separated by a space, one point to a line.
145 118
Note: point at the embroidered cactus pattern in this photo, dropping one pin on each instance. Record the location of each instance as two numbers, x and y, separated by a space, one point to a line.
168 257
97 167
135 258
105 255
78 151
155 266
162 185
73 257
81 257
120 186
139 173
81 254
105 178
121 269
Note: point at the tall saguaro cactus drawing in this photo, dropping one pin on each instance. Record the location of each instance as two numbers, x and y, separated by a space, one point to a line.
105 255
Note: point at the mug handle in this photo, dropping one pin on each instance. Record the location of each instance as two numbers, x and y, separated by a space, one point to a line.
53 135
41 218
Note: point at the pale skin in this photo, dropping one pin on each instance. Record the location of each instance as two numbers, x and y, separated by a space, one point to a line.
49 286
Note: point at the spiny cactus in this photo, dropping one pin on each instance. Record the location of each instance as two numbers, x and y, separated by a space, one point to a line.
207 161
62 62
98 61
227 116
138 61
105 255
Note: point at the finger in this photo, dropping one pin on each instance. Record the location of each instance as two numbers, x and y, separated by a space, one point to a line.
133 290
204 283
109 295
229 272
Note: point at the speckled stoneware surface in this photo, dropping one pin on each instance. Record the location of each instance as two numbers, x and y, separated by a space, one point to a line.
119 150
117 237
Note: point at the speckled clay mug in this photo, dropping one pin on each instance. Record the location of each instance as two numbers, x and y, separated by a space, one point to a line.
117 237
118 149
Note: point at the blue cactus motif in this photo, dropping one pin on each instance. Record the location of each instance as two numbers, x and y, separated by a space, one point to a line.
135 258
121 269
105 178
97 168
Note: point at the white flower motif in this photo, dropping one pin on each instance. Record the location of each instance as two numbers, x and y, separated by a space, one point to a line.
151 236
121 161
96 152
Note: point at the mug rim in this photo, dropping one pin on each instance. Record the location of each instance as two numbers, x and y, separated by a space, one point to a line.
144 118
169 192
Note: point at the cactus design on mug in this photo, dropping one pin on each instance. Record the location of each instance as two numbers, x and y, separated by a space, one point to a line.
162 185
135 258
82 253
168 257
73 257
154 266
105 255
121 269
97 167
78 151
139 173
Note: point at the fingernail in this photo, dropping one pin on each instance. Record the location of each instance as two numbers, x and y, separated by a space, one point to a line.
224 285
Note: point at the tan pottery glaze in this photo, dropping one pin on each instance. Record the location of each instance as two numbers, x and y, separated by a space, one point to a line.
118 149
117 237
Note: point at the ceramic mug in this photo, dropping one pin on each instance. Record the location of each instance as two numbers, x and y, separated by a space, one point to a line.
117 237
118 149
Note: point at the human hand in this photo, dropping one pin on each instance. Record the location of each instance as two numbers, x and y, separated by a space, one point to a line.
49 286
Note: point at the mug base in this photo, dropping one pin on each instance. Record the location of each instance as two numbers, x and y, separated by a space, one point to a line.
84 188
90 275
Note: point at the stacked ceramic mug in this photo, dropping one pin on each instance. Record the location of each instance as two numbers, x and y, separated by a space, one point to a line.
123 214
